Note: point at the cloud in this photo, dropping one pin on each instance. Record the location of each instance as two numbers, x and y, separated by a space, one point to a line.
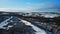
29 9
47 4
17 9
48 7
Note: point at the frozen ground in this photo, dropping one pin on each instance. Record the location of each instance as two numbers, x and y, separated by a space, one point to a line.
37 29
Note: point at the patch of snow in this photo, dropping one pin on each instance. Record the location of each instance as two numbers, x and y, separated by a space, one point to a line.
4 22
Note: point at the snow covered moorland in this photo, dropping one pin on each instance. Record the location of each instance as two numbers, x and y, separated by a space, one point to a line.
37 29
16 18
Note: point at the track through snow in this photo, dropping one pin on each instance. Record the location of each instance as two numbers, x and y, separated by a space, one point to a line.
37 29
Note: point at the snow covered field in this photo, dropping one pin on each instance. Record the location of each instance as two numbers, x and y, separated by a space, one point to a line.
37 29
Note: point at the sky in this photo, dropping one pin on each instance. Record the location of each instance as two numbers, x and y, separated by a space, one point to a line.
30 5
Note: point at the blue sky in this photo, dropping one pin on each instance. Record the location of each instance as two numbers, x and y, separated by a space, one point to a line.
36 5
